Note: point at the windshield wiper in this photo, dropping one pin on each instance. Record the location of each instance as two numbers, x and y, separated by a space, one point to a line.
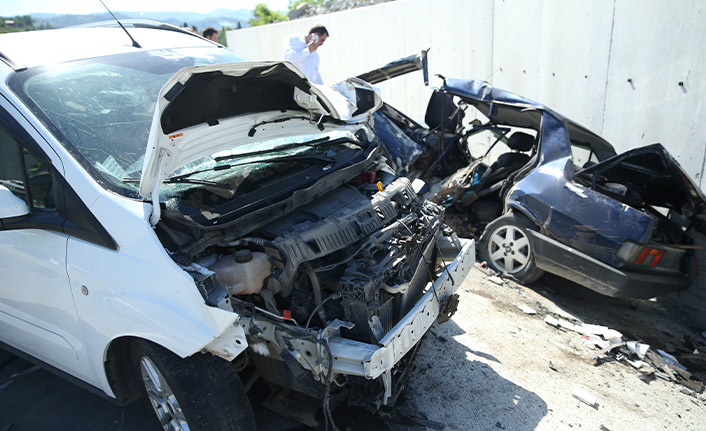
278 148
329 159
186 181
325 141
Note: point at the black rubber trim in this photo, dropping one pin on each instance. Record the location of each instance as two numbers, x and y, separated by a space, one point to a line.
80 221
71 216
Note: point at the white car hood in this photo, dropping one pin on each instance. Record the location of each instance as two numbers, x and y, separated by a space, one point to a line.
205 109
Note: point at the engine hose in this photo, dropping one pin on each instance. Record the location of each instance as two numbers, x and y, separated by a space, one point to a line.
316 288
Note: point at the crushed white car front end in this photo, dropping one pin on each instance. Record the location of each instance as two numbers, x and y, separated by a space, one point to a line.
327 355
274 196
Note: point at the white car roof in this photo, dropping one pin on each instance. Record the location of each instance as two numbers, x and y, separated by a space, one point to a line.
50 46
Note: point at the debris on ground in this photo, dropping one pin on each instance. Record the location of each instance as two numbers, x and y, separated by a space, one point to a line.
638 348
656 363
527 310
496 280
551 320
582 395
648 362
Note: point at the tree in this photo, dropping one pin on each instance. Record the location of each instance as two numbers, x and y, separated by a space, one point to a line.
24 21
17 23
294 3
222 35
263 15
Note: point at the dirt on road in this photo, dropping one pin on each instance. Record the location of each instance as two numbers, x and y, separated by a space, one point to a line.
496 367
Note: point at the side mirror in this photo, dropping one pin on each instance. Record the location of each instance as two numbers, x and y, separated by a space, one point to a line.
11 205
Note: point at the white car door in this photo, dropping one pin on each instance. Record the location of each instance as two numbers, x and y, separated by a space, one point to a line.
37 311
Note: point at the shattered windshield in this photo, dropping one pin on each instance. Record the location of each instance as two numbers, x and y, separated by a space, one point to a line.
101 109
248 172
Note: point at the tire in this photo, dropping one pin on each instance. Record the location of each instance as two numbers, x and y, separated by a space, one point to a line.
506 247
201 392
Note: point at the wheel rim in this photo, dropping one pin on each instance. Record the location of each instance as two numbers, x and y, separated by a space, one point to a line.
509 249
162 398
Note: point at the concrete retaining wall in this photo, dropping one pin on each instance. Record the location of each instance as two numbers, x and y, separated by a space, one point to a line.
631 70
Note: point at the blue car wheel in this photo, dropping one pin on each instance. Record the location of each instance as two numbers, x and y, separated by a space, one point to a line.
506 247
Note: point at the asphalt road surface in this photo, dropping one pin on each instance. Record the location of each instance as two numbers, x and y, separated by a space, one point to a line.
491 367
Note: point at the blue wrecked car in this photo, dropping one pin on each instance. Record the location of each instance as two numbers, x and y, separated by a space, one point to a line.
544 194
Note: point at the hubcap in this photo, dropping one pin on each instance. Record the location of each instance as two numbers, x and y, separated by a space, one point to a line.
163 401
509 249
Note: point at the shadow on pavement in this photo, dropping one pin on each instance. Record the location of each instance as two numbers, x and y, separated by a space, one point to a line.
448 375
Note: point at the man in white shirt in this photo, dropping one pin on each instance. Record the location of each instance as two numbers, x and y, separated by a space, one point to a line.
301 50
210 33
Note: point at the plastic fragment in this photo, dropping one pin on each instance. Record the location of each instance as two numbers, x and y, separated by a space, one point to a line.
663 376
495 279
582 395
612 334
636 364
593 329
638 348
671 360
567 325
687 392
550 320
592 342
527 310
604 331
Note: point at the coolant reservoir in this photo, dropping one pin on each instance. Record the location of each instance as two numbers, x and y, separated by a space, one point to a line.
244 272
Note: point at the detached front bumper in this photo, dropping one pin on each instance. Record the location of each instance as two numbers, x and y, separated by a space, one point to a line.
374 360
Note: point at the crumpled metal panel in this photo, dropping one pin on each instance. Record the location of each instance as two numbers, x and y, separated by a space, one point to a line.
579 216
403 151
397 68
371 361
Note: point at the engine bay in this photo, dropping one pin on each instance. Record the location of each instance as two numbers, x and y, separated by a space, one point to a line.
361 253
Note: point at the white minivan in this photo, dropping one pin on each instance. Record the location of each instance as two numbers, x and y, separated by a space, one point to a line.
176 222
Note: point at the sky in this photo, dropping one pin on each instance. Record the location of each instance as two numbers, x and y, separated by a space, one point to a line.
81 7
